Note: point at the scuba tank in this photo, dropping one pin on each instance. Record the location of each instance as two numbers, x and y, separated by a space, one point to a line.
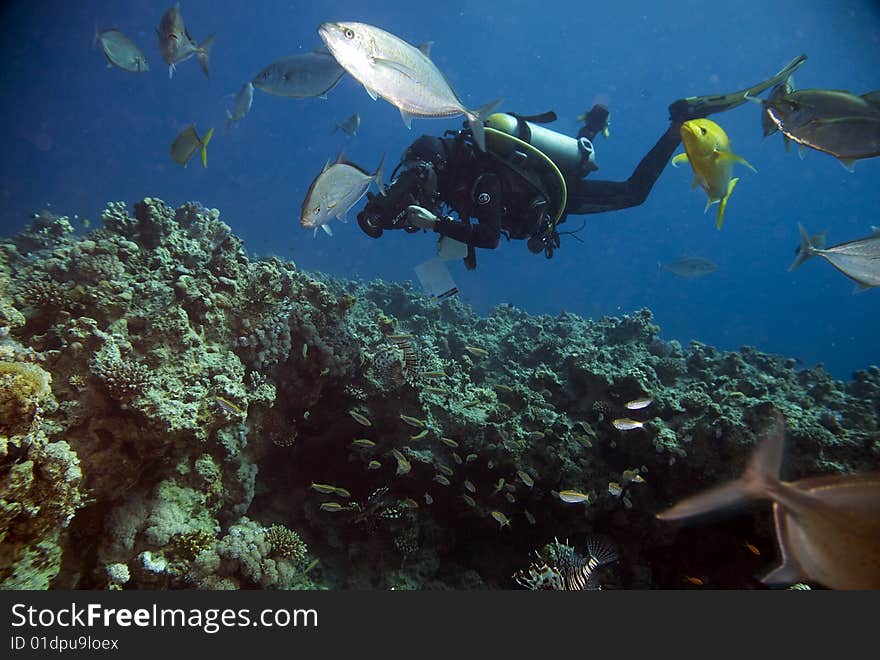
575 157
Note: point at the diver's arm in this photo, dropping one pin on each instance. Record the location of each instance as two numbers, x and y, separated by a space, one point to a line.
590 196
487 232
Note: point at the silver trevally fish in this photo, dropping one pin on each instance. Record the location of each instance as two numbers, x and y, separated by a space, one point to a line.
827 528
400 73
690 267
121 51
241 106
859 260
187 143
334 191
177 46
349 126
302 76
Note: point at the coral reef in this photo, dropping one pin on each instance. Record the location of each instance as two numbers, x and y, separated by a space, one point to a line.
174 414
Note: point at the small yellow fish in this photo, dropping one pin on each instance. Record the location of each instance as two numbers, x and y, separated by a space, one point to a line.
752 548
573 496
458 460
331 506
435 390
499 485
638 404
445 469
525 478
614 489
470 485
374 465
363 442
441 479
409 503
707 149
529 517
477 351
449 442
359 418
399 337
326 489
510 498
470 501
627 424
413 421
342 492
419 436
501 518
632 476
503 388
227 406
694 580
470 458
403 464
187 143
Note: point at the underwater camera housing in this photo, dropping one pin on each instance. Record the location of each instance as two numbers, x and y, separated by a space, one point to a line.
417 184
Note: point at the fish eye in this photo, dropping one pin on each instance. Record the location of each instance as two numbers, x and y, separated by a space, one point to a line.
702 130
349 33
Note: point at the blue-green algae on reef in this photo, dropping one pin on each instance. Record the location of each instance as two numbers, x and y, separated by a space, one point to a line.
121 469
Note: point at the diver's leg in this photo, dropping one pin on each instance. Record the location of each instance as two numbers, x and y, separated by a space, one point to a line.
695 107
588 196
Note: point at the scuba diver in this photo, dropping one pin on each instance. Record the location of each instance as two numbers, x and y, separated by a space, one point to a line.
528 180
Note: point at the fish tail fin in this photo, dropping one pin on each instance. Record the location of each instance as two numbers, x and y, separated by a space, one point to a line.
476 118
230 121
806 249
204 147
760 477
377 175
204 55
722 205
97 37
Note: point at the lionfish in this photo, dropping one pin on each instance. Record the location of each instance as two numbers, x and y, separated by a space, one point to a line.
563 569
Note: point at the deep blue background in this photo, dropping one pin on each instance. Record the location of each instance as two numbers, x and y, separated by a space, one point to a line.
76 134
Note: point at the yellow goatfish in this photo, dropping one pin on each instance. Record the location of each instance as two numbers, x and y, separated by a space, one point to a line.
707 149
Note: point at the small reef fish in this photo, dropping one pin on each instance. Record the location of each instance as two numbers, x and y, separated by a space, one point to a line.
503 388
525 478
428 498
836 122
498 486
627 424
403 464
240 107
470 458
187 143
449 442
697 582
419 436
121 51
334 191
359 418
707 149
227 406
458 460
477 352
363 442
349 126
470 501
445 469
827 527
632 476
374 465
302 76
413 421
177 46
327 489
400 73
615 489
859 259
503 520
690 268
331 506
574 497
529 517
470 485
409 503
536 435
752 548
510 498
442 479
638 404
435 390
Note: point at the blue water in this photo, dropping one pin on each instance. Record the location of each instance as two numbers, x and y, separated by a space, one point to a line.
77 134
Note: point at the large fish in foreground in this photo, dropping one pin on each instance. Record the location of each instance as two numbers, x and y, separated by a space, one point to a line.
301 76
767 124
177 46
859 260
839 123
707 149
334 191
400 73
827 528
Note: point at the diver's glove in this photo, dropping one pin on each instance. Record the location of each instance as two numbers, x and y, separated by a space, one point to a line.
420 217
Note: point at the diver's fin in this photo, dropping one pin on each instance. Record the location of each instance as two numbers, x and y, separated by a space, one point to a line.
680 158
806 249
407 118
722 205
204 54
695 107
377 175
204 147
729 155
476 118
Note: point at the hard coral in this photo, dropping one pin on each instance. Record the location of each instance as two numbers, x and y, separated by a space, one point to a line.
286 542
23 387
